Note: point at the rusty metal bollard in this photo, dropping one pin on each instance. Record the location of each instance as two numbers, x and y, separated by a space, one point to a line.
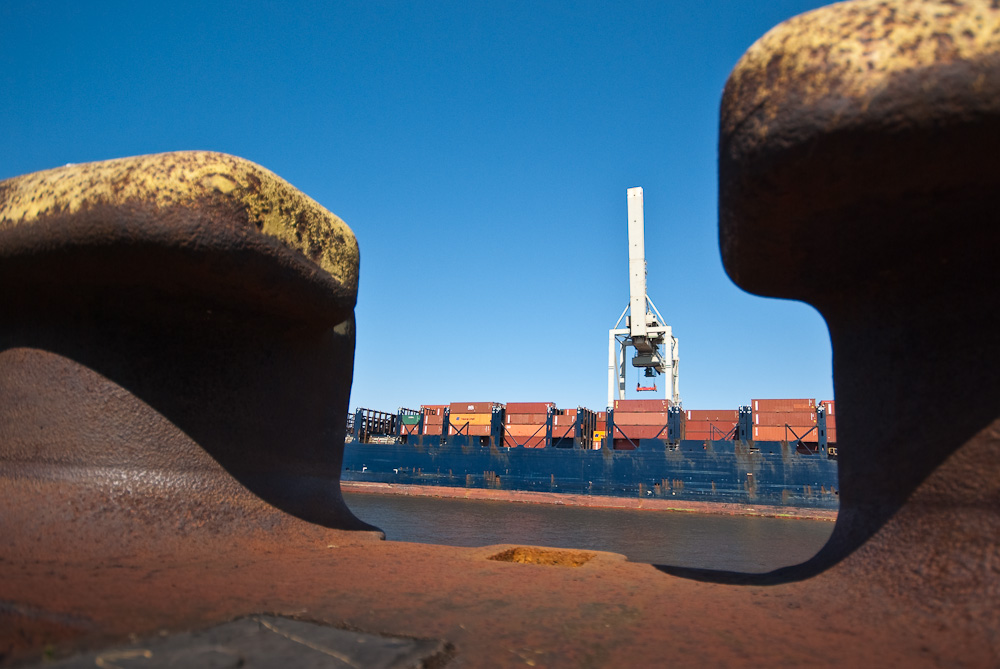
858 172
176 353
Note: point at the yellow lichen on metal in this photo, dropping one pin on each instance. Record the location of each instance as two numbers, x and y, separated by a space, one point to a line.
851 49
274 207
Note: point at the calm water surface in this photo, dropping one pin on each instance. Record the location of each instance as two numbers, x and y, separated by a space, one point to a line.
737 543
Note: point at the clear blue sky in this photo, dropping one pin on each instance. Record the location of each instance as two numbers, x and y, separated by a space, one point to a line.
480 151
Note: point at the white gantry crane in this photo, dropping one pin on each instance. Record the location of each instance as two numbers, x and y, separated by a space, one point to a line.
645 331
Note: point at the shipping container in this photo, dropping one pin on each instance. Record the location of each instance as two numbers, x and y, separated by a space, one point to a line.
772 433
472 407
564 431
650 418
564 420
471 418
527 418
470 430
637 406
433 409
525 442
779 418
529 407
525 430
701 430
634 432
829 405
783 405
713 414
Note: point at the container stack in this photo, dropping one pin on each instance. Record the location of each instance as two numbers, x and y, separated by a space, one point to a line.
639 419
782 420
409 425
433 417
711 424
472 419
601 433
525 423
831 421
564 424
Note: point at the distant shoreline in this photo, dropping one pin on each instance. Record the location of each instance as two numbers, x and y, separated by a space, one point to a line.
591 501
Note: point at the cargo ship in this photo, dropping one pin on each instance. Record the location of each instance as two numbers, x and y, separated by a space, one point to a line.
776 452
771 452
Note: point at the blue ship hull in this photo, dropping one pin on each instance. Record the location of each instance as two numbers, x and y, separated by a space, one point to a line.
771 473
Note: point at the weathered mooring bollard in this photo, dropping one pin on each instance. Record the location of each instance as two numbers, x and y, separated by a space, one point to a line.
176 352
856 154
857 168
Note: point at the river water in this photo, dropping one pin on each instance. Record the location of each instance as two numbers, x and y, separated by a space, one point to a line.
737 543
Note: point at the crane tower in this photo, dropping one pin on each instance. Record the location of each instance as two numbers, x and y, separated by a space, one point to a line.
645 331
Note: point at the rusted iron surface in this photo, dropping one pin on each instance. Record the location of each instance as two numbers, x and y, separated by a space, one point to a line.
134 385
135 423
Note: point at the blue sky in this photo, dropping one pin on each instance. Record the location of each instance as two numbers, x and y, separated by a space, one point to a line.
479 151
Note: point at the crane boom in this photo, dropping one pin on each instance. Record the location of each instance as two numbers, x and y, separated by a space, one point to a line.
656 349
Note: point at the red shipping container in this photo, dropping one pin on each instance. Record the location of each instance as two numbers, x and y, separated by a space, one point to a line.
563 431
527 419
525 430
566 412
641 405
411 429
432 428
525 442
634 432
602 416
779 418
829 405
783 405
703 429
564 420
650 418
529 407
770 433
472 407
831 435
831 422
470 430
433 409
713 414
433 420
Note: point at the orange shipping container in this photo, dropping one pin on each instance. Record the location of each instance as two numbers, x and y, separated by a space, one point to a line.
471 418
525 430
